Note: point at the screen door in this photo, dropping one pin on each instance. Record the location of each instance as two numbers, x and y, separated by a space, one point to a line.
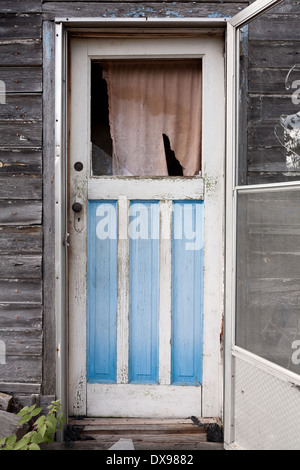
262 401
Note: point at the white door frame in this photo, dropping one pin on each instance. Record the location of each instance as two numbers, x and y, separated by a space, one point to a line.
214 198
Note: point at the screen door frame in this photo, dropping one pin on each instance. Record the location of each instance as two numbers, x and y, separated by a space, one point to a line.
232 351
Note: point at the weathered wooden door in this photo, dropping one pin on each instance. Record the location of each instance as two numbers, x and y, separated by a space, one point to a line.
262 401
136 258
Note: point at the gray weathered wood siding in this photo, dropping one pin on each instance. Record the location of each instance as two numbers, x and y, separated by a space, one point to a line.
21 197
273 49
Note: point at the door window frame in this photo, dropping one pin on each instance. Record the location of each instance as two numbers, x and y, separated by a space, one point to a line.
92 27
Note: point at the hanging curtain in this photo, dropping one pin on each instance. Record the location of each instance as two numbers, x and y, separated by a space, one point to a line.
155 116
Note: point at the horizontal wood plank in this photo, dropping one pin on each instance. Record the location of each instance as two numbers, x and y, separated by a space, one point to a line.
21 134
136 10
267 159
20 187
20 26
22 369
20 316
22 343
273 27
22 79
20 267
270 108
20 212
19 52
21 107
19 387
21 291
21 6
270 265
262 53
20 161
21 240
267 81
263 293
263 134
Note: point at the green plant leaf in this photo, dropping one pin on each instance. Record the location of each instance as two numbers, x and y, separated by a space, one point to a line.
25 419
51 423
36 438
36 411
31 408
23 411
21 443
33 446
42 430
40 421
11 440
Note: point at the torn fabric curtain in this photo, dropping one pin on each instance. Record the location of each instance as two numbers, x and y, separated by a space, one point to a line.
155 116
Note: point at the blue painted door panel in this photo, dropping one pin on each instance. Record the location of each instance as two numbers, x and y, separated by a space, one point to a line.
187 288
143 291
102 292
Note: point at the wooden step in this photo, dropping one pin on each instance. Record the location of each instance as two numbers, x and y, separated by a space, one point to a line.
140 425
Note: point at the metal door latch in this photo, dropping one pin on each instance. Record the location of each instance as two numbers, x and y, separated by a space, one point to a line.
67 239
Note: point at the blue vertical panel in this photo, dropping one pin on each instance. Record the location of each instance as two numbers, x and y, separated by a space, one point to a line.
143 291
102 292
187 293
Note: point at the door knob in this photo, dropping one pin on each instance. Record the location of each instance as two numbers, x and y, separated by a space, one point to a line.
77 207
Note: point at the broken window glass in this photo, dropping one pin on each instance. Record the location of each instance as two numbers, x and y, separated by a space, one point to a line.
146 117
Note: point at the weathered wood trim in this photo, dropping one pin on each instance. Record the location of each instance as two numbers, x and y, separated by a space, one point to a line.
165 188
165 298
17 387
80 2
49 357
123 287
135 10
